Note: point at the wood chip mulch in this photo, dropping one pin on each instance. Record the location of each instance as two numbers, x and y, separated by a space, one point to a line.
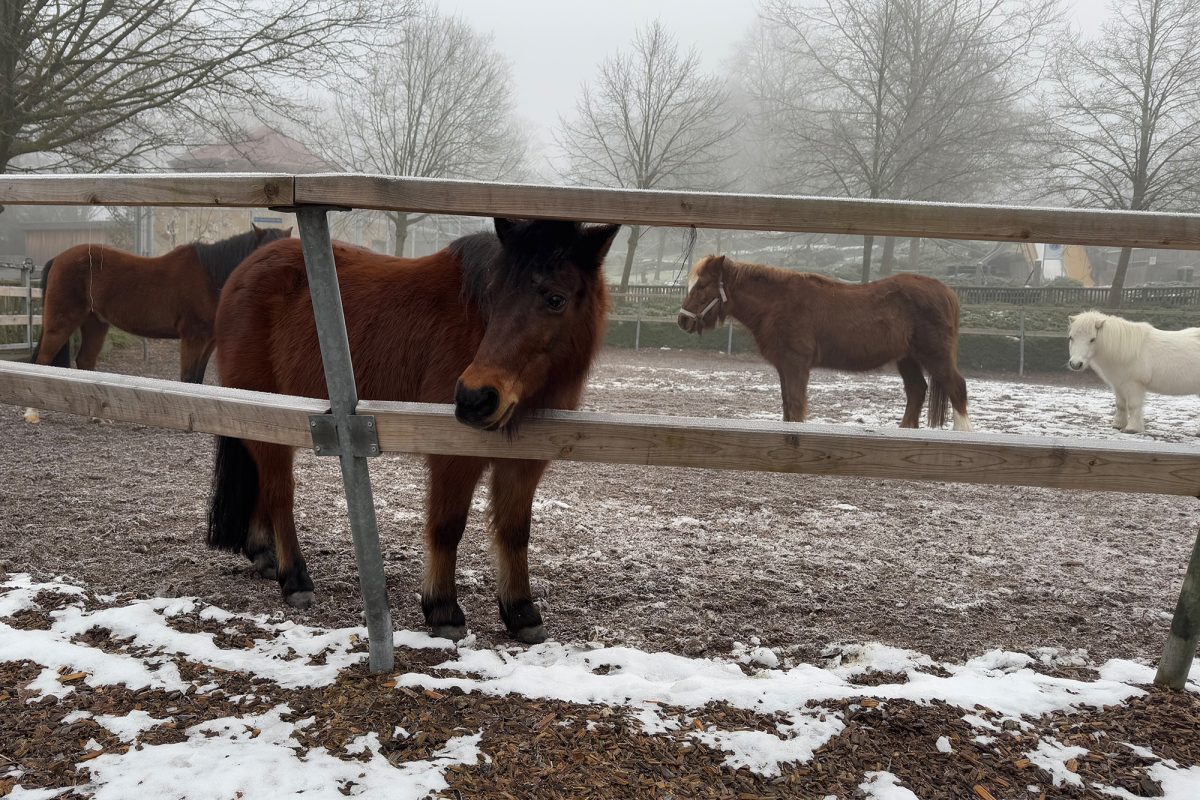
552 749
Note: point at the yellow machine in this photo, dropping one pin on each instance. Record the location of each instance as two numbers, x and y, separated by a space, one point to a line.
1076 263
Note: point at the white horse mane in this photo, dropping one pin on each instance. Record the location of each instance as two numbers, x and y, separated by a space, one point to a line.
1117 340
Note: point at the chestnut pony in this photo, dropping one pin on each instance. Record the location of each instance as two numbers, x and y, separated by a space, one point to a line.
500 325
800 321
173 296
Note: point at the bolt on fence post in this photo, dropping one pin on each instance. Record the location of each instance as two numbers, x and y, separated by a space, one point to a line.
1177 656
343 399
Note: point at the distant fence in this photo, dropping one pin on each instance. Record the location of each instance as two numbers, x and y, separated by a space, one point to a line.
23 315
1074 296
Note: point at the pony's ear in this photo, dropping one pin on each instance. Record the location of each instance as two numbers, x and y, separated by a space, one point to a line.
287 232
594 243
256 229
1100 324
504 229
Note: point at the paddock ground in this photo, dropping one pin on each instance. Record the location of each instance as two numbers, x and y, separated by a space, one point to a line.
696 563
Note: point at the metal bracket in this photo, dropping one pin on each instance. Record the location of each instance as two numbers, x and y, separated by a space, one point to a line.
364 437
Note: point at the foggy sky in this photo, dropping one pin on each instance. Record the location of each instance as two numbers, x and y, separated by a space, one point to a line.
556 45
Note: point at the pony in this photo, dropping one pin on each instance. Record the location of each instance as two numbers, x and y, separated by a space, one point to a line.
500 325
1134 358
173 296
800 321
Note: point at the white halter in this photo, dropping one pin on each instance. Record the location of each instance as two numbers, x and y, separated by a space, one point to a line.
722 298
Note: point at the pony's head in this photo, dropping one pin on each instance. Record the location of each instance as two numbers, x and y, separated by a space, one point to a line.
704 307
1085 329
540 287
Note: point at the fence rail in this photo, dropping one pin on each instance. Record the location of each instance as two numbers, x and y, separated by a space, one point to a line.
1073 296
625 439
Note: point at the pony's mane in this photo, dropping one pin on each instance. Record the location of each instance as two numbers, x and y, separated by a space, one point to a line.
481 256
220 259
750 269
1118 339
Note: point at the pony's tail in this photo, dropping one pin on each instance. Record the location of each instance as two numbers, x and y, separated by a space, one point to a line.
939 402
63 357
234 495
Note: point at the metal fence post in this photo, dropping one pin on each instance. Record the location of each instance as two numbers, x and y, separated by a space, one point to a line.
1021 365
27 268
343 399
1177 656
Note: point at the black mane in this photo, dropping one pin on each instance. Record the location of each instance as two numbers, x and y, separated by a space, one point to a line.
535 247
221 258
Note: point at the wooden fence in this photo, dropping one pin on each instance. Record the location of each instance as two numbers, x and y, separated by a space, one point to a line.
633 439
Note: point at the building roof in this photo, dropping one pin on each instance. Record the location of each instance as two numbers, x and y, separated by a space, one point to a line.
263 150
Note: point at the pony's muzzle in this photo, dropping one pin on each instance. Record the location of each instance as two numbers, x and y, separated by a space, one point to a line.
481 407
1074 365
686 321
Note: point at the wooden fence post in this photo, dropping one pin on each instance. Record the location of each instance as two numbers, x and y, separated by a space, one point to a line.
1177 657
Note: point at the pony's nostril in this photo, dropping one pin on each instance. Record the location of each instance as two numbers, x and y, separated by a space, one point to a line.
476 404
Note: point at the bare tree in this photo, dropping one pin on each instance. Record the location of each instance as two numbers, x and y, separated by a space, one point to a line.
437 104
652 119
97 84
913 99
1127 119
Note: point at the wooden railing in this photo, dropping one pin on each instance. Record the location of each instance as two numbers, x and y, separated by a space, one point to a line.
642 440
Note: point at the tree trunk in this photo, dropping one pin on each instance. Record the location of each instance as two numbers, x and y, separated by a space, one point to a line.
635 233
1118 281
868 243
889 256
914 253
658 257
400 231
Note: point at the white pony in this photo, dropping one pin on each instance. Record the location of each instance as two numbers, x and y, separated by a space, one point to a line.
1134 358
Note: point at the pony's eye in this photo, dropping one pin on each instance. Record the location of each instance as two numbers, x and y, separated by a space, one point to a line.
1092 340
556 302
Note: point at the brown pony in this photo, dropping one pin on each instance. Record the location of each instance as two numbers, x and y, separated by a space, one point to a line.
500 325
172 296
801 321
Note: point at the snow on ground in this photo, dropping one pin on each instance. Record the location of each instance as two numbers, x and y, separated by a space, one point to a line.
996 406
660 691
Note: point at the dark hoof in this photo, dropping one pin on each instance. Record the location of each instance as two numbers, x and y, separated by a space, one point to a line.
300 600
451 632
264 565
533 635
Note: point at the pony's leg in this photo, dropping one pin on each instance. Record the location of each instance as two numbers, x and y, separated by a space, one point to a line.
1135 397
1120 416
93 332
451 486
794 382
194 352
513 485
276 495
914 391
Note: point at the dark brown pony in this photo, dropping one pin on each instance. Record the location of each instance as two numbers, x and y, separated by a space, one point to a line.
173 296
500 325
801 321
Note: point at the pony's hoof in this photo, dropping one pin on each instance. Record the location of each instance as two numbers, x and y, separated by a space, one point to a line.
1133 430
32 416
535 634
451 632
300 600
